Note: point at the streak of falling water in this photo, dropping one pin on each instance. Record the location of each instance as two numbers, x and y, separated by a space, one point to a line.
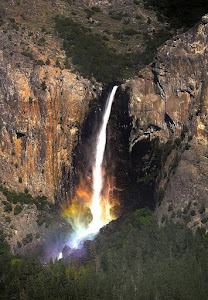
96 207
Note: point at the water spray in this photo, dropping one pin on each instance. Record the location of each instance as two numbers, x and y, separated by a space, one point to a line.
99 207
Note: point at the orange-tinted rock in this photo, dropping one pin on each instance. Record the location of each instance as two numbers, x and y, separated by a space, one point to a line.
42 110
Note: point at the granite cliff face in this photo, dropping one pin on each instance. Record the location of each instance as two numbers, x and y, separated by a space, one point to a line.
172 91
42 109
169 101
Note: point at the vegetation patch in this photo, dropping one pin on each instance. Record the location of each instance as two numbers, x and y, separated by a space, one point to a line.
89 53
204 220
92 57
23 198
27 54
202 209
170 207
193 213
42 218
43 86
1 21
160 195
17 209
8 219
28 239
7 206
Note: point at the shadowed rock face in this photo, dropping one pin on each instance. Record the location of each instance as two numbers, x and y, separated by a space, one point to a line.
169 100
42 109
186 197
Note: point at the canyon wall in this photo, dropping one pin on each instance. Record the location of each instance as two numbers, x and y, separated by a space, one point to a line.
169 101
159 130
42 110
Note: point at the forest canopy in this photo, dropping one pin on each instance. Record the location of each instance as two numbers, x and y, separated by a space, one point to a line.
132 258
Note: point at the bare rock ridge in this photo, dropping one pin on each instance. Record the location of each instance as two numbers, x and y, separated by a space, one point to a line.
169 100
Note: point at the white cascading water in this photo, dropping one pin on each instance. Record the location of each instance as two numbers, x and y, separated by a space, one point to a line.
96 208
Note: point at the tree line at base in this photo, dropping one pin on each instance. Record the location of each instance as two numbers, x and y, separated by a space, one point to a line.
131 258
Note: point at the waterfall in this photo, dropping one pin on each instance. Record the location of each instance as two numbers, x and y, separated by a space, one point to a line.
96 209
97 181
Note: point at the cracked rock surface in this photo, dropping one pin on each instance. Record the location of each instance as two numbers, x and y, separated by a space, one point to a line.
169 100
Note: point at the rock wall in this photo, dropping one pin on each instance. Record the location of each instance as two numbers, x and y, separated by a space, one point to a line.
185 197
172 91
169 100
42 110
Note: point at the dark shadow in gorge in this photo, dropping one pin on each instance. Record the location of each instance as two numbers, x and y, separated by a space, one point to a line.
134 172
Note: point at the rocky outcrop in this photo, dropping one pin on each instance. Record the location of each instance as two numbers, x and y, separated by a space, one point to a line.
185 197
31 228
172 91
169 100
42 109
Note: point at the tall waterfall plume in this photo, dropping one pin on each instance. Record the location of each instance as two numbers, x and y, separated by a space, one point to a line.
91 209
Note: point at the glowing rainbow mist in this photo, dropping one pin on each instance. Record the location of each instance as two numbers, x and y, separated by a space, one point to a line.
100 216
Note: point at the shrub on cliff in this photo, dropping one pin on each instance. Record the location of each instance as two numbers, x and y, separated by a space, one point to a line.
43 86
41 202
17 209
27 239
41 219
40 62
7 207
27 54
5 258
23 198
